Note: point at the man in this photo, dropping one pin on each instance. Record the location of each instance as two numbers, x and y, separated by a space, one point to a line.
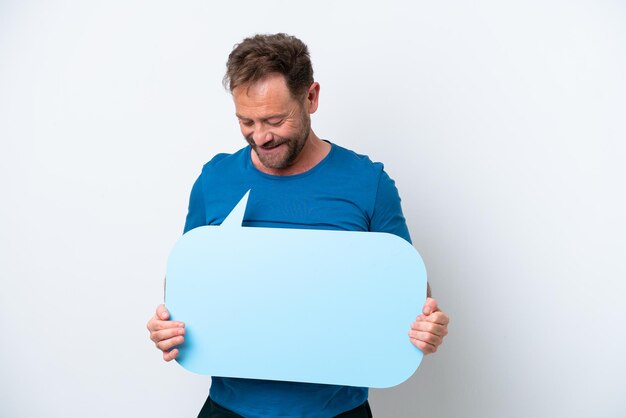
298 181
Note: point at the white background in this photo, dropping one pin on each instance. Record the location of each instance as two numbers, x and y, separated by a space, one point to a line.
503 124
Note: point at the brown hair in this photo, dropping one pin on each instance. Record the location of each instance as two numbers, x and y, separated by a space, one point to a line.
261 55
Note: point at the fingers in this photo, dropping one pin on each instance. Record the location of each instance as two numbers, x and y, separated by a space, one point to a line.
424 347
428 330
170 355
155 325
425 334
166 334
168 344
436 317
426 337
160 320
430 327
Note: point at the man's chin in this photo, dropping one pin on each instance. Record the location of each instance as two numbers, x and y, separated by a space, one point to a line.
275 158
274 165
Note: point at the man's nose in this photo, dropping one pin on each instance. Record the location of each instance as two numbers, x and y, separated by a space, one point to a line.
261 135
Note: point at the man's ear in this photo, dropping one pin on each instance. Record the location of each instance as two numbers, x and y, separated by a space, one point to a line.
313 96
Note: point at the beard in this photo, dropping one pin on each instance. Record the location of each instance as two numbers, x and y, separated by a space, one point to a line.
294 145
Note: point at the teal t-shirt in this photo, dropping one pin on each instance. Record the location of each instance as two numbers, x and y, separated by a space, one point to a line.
345 191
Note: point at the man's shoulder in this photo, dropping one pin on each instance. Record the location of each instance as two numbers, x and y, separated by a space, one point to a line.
225 161
355 160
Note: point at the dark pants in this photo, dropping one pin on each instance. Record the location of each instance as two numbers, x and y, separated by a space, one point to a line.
213 410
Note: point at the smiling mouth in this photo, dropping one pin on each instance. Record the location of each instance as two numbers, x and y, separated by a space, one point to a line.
269 147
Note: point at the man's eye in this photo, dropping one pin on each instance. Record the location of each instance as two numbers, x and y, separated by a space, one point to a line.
246 122
275 122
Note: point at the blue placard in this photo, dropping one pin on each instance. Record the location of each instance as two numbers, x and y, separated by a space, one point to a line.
312 306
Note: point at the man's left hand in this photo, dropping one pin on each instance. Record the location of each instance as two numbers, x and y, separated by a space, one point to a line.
428 330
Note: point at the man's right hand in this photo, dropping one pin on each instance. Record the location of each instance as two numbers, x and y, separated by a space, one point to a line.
166 334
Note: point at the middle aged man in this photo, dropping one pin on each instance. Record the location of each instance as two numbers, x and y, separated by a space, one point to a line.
299 181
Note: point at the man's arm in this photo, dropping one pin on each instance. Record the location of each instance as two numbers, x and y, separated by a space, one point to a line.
166 334
429 328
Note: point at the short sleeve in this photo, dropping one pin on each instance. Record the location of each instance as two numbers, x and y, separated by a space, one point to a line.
387 214
196 213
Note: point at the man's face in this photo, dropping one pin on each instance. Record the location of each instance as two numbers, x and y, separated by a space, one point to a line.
275 124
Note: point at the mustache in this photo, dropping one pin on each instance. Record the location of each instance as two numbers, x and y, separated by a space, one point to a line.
270 144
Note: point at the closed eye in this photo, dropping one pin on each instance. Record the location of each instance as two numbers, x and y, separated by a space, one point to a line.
274 122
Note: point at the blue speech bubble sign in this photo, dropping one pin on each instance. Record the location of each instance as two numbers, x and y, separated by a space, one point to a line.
312 306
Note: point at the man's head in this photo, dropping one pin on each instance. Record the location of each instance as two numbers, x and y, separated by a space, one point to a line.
259 56
271 80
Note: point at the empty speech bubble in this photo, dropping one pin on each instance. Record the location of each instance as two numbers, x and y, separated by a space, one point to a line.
313 306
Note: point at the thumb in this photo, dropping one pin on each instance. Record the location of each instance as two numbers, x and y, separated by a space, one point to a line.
162 313
430 306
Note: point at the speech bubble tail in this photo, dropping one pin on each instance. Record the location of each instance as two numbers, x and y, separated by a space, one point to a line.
235 217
